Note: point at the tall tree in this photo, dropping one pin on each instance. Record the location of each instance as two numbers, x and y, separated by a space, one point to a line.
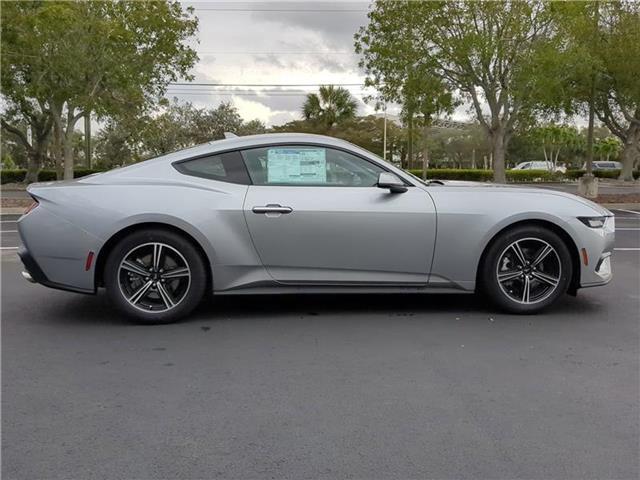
330 106
485 50
593 70
73 58
404 79
618 99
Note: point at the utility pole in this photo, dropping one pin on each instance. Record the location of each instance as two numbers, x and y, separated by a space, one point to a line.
384 138
87 138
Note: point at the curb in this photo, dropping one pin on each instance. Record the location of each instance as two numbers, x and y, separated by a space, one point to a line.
12 210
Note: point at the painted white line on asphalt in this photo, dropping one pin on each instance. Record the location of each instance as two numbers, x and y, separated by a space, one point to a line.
8 221
9 248
627 249
624 228
626 211
16 231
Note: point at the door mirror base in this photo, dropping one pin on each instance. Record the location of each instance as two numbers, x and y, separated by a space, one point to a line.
391 182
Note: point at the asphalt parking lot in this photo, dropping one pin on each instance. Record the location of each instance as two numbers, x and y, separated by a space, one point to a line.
401 386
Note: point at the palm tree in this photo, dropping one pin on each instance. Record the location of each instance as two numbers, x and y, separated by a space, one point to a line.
331 105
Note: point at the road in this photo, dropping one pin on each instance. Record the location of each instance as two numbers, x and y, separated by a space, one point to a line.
402 386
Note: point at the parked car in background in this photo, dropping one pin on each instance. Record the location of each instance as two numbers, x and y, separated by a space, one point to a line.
600 165
540 166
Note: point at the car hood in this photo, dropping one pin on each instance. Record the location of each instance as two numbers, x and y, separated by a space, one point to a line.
488 186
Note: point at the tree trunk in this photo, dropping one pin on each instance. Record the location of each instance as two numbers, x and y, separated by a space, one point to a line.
87 139
498 153
57 150
592 112
630 152
425 152
68 155
34 163
68 143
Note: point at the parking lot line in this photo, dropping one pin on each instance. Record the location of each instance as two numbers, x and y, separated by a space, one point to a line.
627 211
629 228
9 248
623 249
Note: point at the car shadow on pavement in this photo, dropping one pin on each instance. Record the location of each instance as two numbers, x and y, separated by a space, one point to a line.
97 309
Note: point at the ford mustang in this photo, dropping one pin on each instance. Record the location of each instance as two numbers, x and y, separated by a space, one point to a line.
298 213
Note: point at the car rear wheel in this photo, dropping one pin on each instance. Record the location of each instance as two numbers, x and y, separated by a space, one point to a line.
155 276
526 269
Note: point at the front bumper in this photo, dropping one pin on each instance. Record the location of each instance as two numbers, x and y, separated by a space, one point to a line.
598 245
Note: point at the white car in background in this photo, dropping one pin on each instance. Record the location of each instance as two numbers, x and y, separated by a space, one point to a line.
600 165
540 166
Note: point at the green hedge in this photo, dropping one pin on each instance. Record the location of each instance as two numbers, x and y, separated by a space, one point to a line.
575 174
17 176
478 175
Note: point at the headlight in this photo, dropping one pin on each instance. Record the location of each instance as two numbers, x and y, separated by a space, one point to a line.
594 222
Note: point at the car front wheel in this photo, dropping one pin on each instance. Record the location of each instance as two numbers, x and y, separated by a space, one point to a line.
526 269
155 276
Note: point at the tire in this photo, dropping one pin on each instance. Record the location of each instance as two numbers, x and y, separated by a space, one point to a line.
505 272
160 293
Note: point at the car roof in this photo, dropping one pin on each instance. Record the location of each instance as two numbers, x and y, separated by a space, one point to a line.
234 143
254 141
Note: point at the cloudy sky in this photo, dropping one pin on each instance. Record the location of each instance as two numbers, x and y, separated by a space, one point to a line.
291 46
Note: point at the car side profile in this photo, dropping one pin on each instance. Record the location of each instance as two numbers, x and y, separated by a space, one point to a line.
545 165
298 213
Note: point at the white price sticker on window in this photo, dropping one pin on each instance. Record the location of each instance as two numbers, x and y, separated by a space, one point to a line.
296 165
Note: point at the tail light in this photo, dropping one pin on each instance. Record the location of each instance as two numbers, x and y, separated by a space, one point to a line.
31 207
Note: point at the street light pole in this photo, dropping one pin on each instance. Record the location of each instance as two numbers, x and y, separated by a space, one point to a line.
384 141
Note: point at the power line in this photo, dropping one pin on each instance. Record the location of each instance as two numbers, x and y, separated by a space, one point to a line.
246 94
275 53
211 84
281 10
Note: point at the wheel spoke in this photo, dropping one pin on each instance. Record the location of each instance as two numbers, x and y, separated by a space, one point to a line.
526 290
164 294
543 277
137 296
134 268
521 258
176 273
546 250
157 254
506 276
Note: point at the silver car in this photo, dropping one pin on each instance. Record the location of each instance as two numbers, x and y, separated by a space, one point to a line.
297 213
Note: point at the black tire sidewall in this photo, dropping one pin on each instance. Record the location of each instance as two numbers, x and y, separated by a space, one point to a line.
489 278
197 286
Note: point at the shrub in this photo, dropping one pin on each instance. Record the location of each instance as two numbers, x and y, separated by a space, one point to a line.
469 174
17 175
533 176
575 174
478 175
12 176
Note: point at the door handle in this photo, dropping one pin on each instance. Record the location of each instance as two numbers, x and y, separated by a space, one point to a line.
272 208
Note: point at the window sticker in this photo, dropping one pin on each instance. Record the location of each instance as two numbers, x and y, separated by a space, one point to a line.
296 165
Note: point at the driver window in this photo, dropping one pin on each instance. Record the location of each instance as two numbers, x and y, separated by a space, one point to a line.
309 166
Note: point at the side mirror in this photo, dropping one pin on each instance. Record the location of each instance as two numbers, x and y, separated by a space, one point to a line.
392 182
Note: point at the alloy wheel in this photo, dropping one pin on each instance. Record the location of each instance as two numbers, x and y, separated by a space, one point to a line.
154 277
529 270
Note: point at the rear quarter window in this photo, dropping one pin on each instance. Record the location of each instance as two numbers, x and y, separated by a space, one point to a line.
224 167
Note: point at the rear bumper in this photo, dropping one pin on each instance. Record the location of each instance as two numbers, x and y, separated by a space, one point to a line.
33 270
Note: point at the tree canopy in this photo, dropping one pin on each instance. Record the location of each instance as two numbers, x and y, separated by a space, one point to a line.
68 59
330 106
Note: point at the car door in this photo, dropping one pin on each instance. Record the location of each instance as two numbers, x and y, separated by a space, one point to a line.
316 216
